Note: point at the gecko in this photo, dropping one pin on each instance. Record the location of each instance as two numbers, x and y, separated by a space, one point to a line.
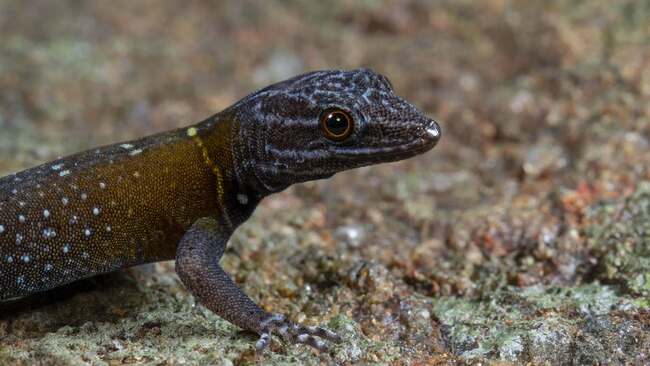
179 195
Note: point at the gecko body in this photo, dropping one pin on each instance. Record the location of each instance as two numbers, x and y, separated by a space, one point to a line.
179 195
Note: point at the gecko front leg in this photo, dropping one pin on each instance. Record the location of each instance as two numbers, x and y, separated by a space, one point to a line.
197 265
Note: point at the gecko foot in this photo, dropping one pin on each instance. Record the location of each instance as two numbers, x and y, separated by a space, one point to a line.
294 333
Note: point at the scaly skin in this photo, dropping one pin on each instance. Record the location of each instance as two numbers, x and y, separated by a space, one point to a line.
181 194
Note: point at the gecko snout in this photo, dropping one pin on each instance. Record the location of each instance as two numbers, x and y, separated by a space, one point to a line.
432 132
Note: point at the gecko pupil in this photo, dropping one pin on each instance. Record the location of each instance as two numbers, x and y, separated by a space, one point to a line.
337 124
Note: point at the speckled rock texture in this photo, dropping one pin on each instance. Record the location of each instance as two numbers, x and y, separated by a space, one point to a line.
524 237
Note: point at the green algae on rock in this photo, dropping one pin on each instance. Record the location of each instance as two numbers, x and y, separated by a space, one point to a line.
543 324
619 239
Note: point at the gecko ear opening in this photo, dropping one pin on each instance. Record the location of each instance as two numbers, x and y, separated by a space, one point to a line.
337 124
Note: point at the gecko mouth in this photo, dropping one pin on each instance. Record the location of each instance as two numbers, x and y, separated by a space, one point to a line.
427 137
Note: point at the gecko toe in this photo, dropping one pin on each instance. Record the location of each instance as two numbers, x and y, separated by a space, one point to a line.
263 342
316 337
311 341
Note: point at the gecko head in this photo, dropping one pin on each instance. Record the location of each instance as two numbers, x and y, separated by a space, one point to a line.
320 123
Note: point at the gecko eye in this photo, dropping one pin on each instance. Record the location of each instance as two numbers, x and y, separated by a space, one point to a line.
337 124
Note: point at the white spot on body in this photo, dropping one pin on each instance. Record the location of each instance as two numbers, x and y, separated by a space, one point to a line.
14 191
49 233
64 173
126 146
46 213
19 238
2 229
191 132
10 259
48 267
87 232
21 218
102 185
65 201
25 258
84 196
242 198
135 152
108 228
96 211
66 248
57 167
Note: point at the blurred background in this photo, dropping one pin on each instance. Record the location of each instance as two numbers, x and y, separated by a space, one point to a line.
524 236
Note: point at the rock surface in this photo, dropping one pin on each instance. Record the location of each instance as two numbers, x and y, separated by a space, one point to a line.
523 237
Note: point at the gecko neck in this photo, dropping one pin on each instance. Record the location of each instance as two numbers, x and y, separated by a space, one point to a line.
229 159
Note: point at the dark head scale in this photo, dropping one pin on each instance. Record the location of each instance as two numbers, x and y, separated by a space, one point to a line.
316 124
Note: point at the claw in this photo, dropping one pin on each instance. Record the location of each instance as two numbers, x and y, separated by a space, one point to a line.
294 333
